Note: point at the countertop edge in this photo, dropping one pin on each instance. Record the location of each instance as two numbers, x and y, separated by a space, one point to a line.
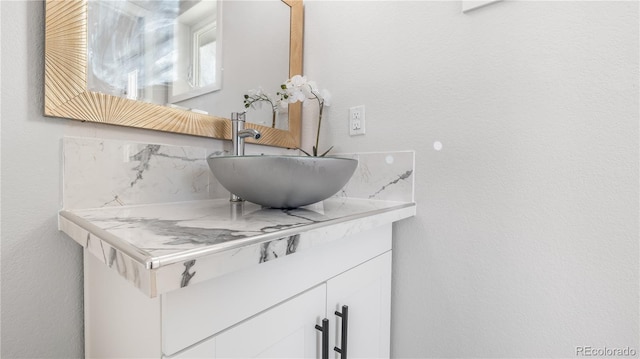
157 262
150 262
161 274
111 239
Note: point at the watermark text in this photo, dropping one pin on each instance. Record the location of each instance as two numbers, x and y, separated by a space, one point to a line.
590 351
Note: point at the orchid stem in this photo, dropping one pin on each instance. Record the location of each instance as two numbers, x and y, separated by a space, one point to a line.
321 107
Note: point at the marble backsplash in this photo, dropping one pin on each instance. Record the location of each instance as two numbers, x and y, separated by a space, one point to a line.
104 173
385 176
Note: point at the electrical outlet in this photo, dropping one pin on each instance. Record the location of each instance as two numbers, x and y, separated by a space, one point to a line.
356 120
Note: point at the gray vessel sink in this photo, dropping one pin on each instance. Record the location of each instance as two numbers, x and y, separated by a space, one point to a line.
282 181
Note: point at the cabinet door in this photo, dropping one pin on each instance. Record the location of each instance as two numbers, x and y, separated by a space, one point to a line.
366 290
284 331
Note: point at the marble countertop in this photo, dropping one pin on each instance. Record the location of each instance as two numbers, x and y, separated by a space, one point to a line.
161 234
188 231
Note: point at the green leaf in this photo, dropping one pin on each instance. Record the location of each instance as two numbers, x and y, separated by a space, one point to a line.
305 152
324 154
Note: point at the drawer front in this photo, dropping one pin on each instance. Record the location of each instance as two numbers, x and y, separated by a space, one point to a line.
196 312
284 331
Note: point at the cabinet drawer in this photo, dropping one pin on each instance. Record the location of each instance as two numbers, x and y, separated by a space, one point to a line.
194 313
284 331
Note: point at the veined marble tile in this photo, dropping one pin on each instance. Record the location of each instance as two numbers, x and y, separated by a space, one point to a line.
164 247
164 232
156 215
191 271
127 267
105 173
385 176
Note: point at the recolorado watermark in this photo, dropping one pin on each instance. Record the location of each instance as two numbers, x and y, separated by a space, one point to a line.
590 351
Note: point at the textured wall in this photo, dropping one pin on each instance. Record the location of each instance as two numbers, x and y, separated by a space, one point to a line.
41 268
526 239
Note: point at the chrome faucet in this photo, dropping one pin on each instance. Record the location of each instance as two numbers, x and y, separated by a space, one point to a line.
238 134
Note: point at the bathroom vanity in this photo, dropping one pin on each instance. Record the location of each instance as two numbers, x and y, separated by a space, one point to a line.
205 278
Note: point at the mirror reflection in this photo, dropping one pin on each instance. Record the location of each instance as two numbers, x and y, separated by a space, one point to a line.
255 53
198 55
197 45
68 70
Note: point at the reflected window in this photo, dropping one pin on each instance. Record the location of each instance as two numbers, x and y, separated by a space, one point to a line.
153 51
204 55
197 51
116 48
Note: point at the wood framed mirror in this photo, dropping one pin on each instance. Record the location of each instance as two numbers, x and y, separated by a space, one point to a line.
67 94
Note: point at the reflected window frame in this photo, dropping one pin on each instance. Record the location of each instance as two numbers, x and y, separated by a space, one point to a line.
190 57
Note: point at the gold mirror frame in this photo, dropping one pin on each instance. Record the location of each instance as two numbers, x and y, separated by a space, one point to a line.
67 96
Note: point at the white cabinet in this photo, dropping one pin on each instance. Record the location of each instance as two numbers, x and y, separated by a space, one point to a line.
267 311
285 331
366 291
289 329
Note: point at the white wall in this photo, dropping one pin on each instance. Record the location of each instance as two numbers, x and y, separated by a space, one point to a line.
41 306
526 238
41 268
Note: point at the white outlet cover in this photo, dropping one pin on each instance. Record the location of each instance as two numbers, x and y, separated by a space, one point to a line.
353 131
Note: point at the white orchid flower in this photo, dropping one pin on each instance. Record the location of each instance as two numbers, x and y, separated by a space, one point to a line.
295 89
298 80
254 98
326 97
295 95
